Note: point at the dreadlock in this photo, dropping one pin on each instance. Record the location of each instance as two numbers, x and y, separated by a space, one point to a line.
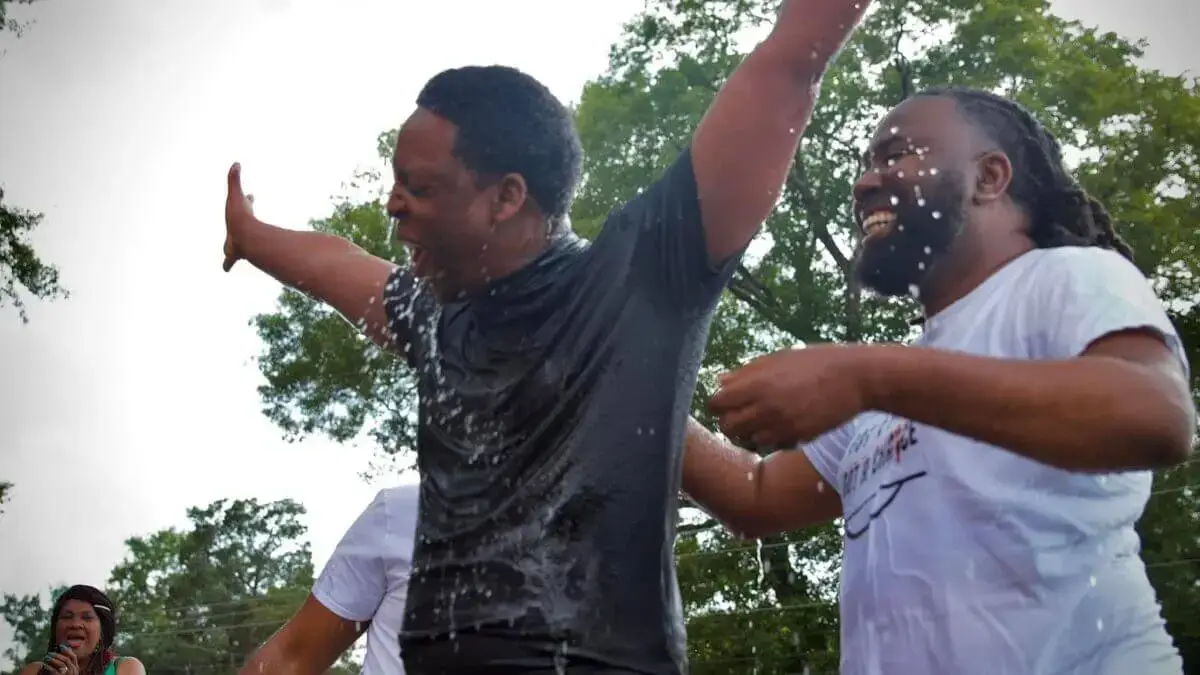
105 612
1061 213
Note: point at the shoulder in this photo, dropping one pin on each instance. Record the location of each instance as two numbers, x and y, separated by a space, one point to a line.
1084 266
402 505
31 669
399 499
129 665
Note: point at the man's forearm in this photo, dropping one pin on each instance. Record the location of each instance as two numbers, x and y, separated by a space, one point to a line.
299 259
329 268
1084 414
817 29
720 477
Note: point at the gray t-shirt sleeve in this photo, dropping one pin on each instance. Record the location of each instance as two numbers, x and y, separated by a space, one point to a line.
409 306
670 253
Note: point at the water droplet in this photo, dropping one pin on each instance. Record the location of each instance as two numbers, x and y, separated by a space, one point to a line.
921 266
928 251
891 162
1092 580
894 130
914 291
937 215
895 200
899 174
1099 624
933 171
920 172
920 201
749 475
820 486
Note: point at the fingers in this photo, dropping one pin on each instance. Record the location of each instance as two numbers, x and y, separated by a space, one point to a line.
235 180
739 422
57 662
736 389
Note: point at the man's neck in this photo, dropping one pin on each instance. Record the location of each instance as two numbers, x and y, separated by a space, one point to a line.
969 263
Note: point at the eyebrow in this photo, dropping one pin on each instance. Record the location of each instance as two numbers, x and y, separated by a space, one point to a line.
880 146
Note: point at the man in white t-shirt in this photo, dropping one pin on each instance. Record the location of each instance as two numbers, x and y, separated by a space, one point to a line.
363 587
990 476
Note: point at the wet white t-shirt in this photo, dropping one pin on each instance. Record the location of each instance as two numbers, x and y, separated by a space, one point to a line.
366 578
961 557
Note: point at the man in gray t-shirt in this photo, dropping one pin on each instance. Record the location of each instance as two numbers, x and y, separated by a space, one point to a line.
554 375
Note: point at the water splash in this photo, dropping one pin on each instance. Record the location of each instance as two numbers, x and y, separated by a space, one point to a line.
762 566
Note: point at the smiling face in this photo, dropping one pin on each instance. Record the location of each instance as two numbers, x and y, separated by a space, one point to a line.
911 202
78 626
448 217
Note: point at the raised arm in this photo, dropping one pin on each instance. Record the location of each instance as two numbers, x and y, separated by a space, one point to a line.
755 497
326 267
747 141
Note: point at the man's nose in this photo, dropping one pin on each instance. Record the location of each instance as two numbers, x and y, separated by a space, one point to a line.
868 182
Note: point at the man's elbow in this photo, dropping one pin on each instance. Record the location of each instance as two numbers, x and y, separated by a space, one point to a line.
1167 432
1172 444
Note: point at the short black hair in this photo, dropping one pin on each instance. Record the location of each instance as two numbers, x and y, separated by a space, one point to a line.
1061 213
508 122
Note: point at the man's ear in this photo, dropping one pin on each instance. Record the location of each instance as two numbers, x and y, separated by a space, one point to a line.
992 177
510 194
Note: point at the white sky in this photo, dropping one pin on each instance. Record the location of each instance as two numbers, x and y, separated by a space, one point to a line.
136 398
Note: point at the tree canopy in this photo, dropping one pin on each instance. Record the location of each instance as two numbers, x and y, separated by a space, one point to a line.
1133 137
22 272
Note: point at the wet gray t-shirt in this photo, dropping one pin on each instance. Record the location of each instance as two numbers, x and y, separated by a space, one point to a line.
552 414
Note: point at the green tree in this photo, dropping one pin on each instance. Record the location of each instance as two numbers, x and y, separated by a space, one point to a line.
203 600
198 601
1133 136
21 270
8 23
5 488
29 618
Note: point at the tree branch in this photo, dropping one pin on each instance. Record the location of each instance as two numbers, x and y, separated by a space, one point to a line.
797 180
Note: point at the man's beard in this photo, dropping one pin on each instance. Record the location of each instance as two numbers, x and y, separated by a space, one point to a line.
895 263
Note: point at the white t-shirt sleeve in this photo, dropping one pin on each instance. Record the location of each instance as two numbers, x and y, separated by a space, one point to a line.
1091 293
354 580
827 451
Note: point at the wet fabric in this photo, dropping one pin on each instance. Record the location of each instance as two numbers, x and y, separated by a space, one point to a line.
963 557
552 413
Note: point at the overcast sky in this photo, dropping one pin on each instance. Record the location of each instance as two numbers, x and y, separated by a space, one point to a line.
136 398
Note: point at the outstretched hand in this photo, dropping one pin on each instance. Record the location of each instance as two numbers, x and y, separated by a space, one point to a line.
239 210
793 396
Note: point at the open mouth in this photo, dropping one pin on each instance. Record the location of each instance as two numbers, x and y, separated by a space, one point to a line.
878 223
75 640
418 258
